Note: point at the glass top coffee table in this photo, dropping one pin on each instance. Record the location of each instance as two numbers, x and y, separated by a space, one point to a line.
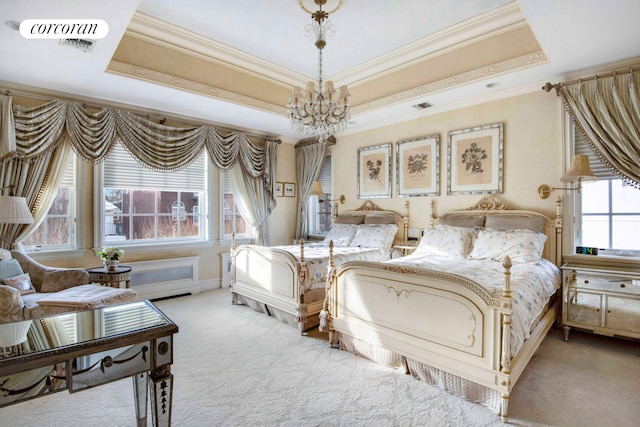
84 349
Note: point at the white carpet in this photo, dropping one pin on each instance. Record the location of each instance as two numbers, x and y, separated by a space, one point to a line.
236 367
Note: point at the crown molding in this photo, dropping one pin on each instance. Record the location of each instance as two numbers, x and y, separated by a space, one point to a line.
476 29
172 37
522 62
153 76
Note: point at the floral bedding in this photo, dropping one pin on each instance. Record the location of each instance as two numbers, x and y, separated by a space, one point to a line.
316 256
532 285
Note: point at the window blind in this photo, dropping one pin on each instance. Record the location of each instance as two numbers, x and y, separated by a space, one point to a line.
123 171
325 175
598 167
69 178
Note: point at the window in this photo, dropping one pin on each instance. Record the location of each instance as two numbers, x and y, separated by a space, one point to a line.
320 211
232 220
57 230
608 210
143 206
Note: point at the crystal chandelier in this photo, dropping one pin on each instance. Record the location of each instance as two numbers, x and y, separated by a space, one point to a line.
319 110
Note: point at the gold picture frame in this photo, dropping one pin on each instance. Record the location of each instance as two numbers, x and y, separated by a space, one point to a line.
374 172
279 189
475 160
289 189
418 167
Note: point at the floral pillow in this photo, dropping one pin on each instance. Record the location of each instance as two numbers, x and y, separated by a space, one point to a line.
341 234
21 283
522 246
375 236
445 240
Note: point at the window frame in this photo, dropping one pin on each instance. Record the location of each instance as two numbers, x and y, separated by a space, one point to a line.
572 204
76 210
313 204
152 245
225 239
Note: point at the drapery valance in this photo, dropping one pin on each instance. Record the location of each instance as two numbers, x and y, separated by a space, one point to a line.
29 135
606 109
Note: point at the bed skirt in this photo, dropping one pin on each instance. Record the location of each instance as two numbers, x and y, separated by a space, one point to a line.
445 381
287 318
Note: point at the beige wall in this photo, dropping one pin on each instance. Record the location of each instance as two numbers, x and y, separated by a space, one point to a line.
532 154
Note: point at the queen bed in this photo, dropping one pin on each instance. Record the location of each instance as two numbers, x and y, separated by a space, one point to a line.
466 311
289 282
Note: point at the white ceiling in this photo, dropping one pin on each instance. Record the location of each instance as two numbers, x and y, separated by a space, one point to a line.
577 37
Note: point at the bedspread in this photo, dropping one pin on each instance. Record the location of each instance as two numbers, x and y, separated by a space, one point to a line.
316 257
532 285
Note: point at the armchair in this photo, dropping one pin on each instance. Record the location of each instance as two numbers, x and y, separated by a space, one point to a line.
16 304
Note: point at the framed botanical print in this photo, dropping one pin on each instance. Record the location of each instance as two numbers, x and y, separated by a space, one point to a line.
279 189
374 171
475 160
418 167
289 189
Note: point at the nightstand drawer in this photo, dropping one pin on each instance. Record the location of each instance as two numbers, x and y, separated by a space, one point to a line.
607 283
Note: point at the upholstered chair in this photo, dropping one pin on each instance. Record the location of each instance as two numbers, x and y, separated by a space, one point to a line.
18 304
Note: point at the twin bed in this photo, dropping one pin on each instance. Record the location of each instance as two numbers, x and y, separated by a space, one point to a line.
288 282
465 311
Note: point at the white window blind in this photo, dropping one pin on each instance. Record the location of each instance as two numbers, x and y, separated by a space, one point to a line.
123 171
69 179
597 166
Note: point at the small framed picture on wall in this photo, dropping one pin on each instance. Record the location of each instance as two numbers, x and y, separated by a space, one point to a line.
289 189
418 167
279 189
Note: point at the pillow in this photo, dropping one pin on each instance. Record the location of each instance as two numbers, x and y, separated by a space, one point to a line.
515 222
21 283
462 221
341 234
10 268
523 246
349 219
375 235
444 240
380 219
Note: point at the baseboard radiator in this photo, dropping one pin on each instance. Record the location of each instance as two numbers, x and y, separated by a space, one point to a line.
165 277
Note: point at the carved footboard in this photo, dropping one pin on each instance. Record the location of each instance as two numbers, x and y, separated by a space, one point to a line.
274 277
442 320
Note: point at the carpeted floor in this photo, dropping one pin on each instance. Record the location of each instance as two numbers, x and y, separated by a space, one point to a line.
236 367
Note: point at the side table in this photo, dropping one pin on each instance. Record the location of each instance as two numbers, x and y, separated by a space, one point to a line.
406 247
110 278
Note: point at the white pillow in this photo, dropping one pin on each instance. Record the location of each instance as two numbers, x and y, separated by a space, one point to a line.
445 240
523 246
341 234
375 236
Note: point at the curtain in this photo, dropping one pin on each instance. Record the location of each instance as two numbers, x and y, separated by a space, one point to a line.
35 179
255 203
309 158
607 111
33 160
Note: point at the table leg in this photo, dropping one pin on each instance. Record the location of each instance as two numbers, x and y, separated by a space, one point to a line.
162 389
140 392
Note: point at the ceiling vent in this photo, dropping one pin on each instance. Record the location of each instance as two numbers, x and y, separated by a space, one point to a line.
423 105
84 45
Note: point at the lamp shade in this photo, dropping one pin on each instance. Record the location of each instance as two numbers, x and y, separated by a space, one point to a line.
579 170
14 210
316 189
